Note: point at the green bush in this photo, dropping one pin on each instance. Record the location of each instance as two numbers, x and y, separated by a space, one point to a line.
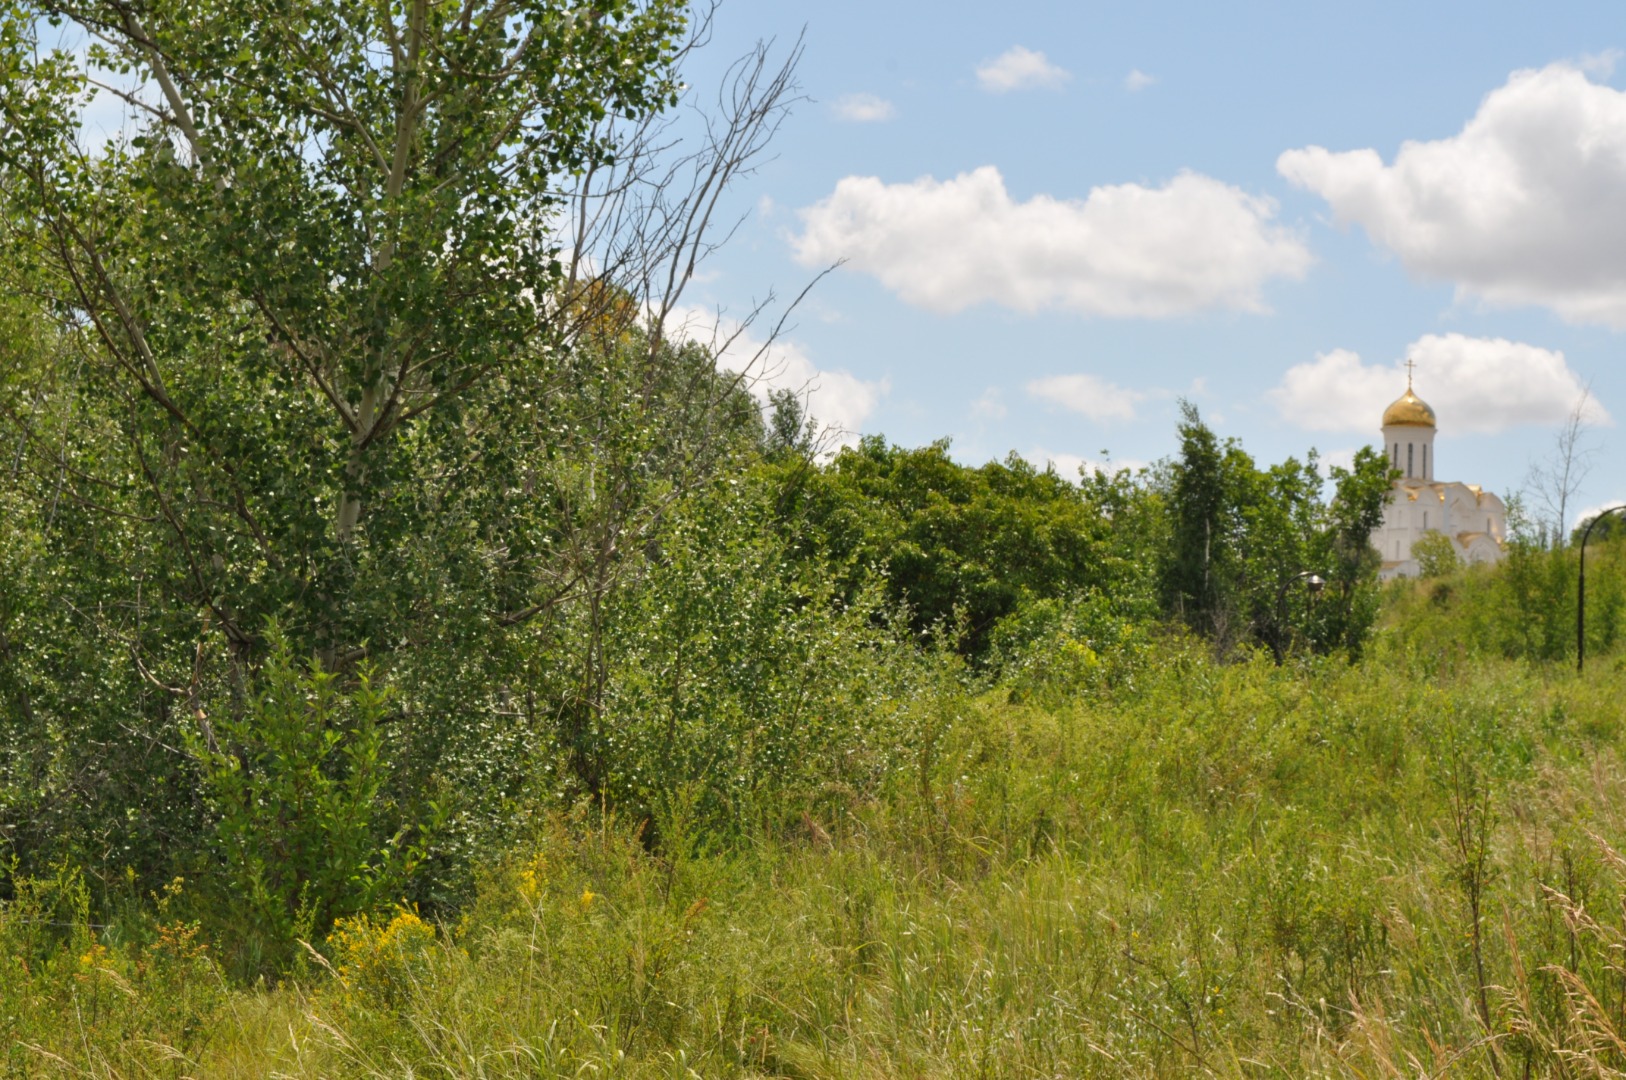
954 545
1065 647
1435 554
1522 608
303 832
743 683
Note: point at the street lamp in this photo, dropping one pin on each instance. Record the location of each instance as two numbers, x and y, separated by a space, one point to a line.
1313 582
1580 590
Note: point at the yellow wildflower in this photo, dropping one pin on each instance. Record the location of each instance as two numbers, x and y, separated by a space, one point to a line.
533 877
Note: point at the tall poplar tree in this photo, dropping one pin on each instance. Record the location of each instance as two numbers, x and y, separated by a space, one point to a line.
358 326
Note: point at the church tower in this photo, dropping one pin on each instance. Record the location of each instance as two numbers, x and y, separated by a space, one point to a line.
1471 518
1408 434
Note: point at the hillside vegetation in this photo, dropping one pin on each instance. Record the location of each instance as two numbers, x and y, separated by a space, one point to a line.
1143 863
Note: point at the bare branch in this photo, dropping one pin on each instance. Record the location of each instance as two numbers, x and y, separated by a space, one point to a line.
1554 481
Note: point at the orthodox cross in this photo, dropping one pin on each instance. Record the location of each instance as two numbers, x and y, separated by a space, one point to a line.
1409 365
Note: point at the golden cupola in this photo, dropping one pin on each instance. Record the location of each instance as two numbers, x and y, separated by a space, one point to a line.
1409 410
1408 434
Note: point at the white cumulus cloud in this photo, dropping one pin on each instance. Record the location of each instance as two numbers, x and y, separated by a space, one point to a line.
1019 68
1088 395
838 400
1138 80
1126 250
864 108
1481 385
1523 206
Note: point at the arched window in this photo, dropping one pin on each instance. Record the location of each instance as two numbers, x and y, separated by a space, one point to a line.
1409 449
1425 520
1425 461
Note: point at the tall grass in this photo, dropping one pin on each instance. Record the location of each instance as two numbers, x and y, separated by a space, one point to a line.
1402 868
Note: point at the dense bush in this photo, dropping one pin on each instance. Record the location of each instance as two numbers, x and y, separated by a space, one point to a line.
955 545
743 685
304 828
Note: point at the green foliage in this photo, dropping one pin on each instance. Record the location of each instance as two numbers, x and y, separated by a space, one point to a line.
1057 649
1541 587
1210 489
304 832
742 684
1607 527
956 545
302 348
1323 866
1436 556
790 431
1524 608
1241 538
1360 495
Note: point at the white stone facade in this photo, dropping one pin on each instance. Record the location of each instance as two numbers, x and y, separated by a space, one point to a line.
1474 520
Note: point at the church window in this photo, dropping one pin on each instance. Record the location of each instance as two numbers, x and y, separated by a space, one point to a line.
1409 449
1425 461
1425 520
1397 549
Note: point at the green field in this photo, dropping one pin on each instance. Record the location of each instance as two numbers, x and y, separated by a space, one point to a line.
1400 867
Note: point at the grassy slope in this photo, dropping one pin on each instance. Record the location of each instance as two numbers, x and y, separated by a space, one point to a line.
1239 869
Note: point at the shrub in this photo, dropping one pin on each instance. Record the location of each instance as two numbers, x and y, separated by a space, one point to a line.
742 682
302 830
1435 554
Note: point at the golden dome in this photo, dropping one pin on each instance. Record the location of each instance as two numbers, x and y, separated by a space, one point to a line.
1408 411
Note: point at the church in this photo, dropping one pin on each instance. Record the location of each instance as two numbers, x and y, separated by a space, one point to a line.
1475 521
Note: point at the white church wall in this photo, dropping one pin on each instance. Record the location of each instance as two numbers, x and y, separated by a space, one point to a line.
1474 521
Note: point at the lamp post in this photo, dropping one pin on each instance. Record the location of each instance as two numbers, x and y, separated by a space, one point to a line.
1312 581
1580 590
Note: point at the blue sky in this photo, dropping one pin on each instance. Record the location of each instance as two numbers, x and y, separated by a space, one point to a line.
1060 218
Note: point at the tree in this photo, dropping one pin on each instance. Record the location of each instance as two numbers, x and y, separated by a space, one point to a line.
1435 554
1211 488
1240 536
363 329
1554 480
1360 495
1609 528
790 431
951 541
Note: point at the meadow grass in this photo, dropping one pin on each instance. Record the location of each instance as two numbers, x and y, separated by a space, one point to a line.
1404 867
